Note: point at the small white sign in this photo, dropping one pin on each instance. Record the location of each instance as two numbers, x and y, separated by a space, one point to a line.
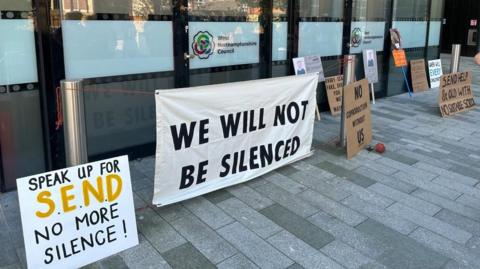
370 65
75 216
309 65
435 71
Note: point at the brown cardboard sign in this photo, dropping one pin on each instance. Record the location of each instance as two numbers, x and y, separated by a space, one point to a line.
456 93
358 119
419 75
334 86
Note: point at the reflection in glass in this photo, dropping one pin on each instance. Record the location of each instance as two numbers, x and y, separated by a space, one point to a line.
140 8
237 8
321 8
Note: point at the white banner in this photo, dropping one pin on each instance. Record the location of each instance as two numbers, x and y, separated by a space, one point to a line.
212 137
79 215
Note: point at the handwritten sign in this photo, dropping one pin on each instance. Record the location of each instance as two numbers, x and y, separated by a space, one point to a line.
435 71
79 215
456 94
400 58
358 120
419 75
334 87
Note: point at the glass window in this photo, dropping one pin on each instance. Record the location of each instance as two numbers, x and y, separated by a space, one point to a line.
123 49
321 8
249 8
280 65
21 136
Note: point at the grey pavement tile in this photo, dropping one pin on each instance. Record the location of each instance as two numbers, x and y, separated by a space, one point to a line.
365 194
405 252
11 266
187 257
452 264
115 261
253 247
138 202
406 199
454 206
426 184
405 112
287 170
250 218
459 221
298 226
466 171
204 239
8 256
208 212
424 159
22 256
345 255
157 231
251 197
141 183
238 261
452 184
143 256
446 173
256 182
295 266
392 118
347 215
287 200
446 247
387 180
300 252
172 212
451 232
410 170
218 196
378 167
285 182
381 215
325 186
349 235
474 245
400 157
346 174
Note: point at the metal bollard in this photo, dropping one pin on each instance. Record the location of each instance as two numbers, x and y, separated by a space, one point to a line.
74 122
348 78
456 53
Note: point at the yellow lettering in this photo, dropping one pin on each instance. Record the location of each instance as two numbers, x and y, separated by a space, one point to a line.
67 198
97 193
112 196
44 198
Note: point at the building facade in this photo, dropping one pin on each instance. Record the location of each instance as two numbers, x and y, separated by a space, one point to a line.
123 50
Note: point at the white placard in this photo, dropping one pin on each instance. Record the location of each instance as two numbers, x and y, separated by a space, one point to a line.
112 48
370 65
215 136
311 64
367 35
75 216
223 43
435 72
320 38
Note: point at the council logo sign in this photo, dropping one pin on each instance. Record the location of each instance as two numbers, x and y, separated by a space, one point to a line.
203 45
356 37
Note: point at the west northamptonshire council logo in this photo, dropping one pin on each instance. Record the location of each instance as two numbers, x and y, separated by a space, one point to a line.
203 45
356 37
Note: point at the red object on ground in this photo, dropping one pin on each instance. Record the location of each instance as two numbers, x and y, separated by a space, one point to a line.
380 148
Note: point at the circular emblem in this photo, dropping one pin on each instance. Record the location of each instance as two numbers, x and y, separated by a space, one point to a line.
203 45
356 37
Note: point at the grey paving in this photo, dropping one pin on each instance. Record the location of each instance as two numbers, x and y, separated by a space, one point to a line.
416 206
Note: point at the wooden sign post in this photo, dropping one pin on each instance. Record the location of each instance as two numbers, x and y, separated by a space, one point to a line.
456 94
334 87
419 75
358 119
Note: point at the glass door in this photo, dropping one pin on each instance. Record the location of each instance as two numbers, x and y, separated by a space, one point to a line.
21 133
224 41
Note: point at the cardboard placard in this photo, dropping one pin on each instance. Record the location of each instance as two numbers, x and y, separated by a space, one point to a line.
400 58
370 65
436 72
76 216
334 86
358 121
419 75
456 95
309 65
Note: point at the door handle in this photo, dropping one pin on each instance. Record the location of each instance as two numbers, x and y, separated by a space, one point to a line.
187 56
